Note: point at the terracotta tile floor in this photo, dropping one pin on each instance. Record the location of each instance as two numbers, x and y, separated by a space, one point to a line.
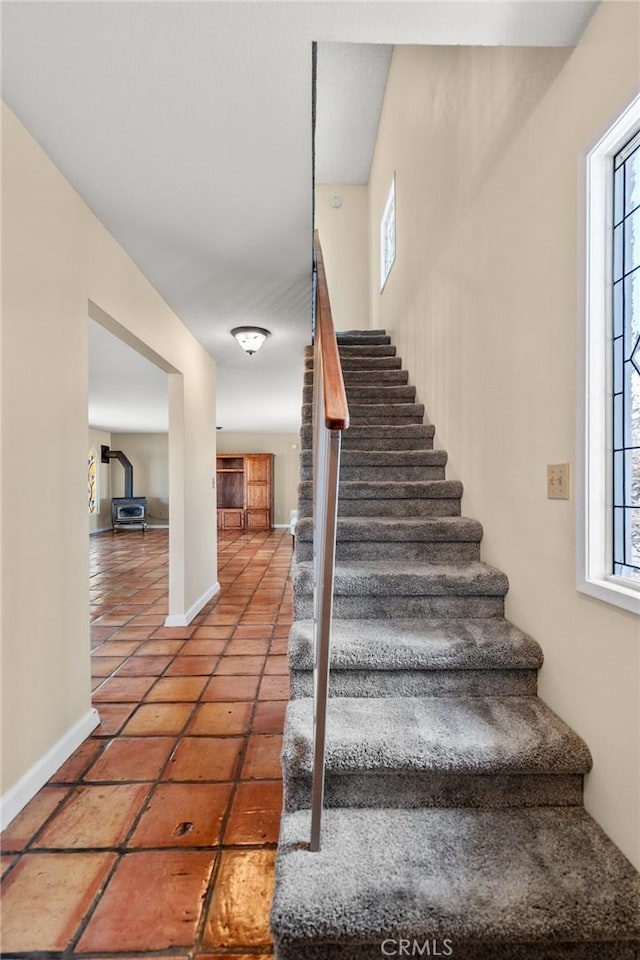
159 833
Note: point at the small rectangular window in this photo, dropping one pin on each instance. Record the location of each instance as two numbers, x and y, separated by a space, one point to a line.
626 360
388 235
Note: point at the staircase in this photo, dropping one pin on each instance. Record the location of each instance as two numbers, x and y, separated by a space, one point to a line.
454 822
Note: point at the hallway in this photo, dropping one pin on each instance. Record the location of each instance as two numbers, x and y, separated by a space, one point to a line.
159 833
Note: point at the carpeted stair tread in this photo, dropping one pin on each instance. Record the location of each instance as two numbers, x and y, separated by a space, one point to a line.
358 506
370 364
418 645
387 436
364 351
376 413
384 458
357 334
537 880
457 735
373 393
366 377
378 465
380 392
390 490
381 395
397 579
403 529
349 338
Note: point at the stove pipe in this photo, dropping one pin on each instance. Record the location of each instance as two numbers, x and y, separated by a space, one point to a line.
106 455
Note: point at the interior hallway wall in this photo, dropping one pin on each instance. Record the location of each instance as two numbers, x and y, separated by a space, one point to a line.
59 265
488 146
343 234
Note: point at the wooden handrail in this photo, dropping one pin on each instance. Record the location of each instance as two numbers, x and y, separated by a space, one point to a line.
336 409
330 416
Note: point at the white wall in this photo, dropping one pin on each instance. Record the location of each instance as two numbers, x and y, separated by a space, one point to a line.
102 519
343 234
286 468
488 146
149 456
60 265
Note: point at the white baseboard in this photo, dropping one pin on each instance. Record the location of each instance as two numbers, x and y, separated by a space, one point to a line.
281 526
184 619
92 533
18 796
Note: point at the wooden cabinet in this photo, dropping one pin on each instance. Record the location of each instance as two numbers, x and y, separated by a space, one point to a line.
245 491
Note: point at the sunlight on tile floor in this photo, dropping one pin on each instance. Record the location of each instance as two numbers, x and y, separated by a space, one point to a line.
159 833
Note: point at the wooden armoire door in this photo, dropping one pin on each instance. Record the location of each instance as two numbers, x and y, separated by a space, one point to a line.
258 478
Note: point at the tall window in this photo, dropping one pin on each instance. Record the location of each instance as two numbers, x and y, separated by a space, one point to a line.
388 235
608 520
626 361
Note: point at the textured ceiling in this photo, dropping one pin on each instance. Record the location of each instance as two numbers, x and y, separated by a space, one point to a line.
186 127
351 78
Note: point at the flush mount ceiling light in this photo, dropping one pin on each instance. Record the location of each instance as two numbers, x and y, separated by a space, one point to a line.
250 338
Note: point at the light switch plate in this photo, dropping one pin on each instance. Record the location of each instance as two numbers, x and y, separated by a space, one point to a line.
558 481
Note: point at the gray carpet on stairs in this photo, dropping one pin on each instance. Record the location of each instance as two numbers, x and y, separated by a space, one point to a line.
396 436
419 644
453 794
502 880
395 579
397 682
397 538
445 734
392 490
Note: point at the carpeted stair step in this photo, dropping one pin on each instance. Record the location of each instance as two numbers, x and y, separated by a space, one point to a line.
393 589
358 351
358 361
363 377
362 337
394 436
376 413
397 538
375 393
518 884
389 498
394 658
435 751
384 465
363 363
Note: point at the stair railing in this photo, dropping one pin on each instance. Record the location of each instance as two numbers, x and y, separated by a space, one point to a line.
330 418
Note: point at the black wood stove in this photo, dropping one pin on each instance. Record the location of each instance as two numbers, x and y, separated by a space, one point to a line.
127 511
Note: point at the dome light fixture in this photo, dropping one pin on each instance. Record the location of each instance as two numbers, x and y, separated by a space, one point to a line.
250 338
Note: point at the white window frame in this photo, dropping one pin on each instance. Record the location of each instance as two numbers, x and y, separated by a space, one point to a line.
595 443
388 235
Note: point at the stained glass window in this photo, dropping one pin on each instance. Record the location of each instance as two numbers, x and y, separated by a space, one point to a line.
92 476
626 361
